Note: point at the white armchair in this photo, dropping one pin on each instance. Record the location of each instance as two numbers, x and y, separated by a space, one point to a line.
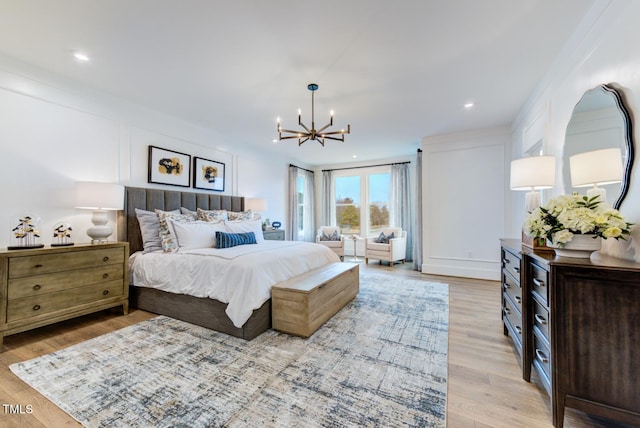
393 251
331 237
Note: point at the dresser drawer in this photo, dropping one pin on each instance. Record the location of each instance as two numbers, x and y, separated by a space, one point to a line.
542 359
512 288
541 319
42 284
540 283
514 318
62 300
511 262
60 262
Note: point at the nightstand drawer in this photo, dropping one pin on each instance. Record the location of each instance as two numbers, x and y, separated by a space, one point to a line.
542 360
512 289
541 319
42 284
39 305
511 263
51 263
540 283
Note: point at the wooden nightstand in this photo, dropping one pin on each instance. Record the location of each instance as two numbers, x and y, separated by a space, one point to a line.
43 286
273 234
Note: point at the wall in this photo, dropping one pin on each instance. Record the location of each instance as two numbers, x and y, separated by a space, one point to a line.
54 132
602 51
464 178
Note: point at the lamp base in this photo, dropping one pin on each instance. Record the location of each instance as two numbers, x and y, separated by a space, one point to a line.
100 231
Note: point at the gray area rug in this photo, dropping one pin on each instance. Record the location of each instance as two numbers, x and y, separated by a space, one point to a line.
381 361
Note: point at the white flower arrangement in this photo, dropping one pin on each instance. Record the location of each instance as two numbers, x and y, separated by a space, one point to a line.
567 215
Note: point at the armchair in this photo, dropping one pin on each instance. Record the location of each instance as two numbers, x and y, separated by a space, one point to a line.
331 237
394 250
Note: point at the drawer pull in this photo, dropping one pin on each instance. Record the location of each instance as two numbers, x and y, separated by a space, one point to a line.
506 261
105 292
37 287
518 299
540 355
517 269
105 275
37 266
506 285
105 259
519 330
507 311
36 307
540 319
538 283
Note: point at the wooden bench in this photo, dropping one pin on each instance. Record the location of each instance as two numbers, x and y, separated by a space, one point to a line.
300 305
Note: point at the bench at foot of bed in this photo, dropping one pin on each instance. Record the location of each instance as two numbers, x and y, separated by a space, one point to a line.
301 305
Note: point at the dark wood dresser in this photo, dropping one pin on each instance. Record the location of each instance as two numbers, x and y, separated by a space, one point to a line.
581 332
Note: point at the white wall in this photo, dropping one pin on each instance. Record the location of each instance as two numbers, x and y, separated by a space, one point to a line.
602 51
464 202
54 132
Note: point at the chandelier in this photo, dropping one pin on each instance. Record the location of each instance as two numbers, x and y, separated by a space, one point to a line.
312 134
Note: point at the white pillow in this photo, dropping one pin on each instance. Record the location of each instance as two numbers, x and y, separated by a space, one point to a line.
254 226
198 234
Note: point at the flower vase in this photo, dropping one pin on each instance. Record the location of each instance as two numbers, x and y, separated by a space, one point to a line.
580 246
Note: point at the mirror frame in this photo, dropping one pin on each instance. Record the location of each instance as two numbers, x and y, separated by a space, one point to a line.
618 96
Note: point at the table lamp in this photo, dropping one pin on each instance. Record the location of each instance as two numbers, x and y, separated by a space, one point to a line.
598 167
99 197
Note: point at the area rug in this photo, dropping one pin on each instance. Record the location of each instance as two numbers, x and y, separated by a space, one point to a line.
381 361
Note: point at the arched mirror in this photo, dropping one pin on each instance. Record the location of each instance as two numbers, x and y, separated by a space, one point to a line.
600 127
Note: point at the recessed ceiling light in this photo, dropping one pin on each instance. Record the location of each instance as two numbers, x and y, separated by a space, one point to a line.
274 141
468 105
354 156
81 56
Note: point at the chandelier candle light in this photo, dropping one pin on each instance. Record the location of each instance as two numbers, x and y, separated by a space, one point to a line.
312 134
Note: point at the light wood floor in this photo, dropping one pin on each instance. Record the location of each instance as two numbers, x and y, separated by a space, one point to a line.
485 387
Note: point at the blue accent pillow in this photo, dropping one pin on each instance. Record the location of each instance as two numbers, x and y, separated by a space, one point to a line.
228 240
384 239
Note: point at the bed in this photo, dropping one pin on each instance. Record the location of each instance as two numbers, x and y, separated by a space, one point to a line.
269 258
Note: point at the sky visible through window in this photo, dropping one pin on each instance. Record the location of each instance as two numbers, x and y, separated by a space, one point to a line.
350 187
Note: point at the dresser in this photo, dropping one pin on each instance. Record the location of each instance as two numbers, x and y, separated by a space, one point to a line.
273 234
512 296
580 321
43 286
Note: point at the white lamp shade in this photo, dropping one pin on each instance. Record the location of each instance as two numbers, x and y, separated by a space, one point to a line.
256 204
596 167
99 196
533 173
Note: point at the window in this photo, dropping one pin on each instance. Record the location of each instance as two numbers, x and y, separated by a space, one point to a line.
300 205
362 201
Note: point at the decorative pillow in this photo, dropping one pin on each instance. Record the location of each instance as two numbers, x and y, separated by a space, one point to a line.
197 234
167 234
254 226
150 229
228 240
241 216
384 239
333 237
212 215
184 210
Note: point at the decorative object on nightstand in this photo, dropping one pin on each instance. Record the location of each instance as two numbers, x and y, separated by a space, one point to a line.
533 174
26 232
62 235
276 225
99 197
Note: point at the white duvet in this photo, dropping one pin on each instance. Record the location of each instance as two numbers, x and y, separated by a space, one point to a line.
241 276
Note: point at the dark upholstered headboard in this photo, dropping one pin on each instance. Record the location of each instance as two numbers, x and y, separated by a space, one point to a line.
151 199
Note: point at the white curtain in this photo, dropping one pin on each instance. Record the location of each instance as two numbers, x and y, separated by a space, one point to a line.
309 206
308 223
292 199
328 196
417 242
401 202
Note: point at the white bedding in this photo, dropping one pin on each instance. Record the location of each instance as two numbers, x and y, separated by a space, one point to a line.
241 276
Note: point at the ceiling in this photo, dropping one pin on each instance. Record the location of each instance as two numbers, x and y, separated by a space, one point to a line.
395 71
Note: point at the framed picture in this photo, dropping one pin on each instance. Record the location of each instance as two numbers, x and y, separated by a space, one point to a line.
169 167
208 174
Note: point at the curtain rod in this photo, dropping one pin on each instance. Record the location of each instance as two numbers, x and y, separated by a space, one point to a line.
367 166
304 169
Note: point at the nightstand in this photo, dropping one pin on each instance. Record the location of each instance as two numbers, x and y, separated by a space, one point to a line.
273 234
43 286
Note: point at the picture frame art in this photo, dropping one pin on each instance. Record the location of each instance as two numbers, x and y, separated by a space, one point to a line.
208 174
169 167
